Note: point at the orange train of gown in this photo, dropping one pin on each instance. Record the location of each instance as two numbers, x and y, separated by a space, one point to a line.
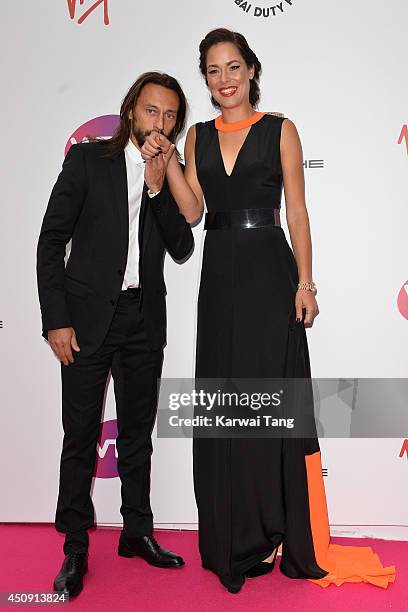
344 563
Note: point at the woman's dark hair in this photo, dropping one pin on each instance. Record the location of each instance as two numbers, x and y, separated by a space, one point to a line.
121 136
222 35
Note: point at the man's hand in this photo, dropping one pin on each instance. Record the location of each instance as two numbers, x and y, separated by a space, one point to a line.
62 341
157 152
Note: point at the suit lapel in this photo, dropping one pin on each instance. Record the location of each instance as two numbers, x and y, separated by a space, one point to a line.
120 188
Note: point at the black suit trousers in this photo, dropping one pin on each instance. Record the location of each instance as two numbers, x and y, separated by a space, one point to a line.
135 370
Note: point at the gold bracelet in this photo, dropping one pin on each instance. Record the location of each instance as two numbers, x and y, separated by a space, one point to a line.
309 286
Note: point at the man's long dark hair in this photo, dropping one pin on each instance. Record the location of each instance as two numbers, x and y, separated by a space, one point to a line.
121 136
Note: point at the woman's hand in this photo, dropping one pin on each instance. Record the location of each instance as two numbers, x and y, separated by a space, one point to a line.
305 299
155 144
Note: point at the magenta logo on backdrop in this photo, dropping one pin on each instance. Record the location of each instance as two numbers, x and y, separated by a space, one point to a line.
99 127
402 300
106 454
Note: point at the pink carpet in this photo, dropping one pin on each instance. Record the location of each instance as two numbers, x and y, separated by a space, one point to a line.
31 555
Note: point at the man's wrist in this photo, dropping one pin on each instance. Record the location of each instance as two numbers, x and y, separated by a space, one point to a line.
153 192
155 187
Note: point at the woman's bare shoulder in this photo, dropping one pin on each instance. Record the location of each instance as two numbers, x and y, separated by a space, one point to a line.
274 113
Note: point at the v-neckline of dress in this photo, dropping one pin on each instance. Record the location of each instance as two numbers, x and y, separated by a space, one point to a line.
240 149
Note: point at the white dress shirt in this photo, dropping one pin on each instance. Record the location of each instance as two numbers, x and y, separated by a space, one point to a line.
135 181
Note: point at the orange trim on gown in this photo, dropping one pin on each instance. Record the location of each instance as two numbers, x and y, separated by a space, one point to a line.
237 125
344 563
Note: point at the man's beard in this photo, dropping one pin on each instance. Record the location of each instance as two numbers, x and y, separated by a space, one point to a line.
141 136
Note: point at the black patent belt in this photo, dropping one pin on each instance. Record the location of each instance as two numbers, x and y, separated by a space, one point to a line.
247 218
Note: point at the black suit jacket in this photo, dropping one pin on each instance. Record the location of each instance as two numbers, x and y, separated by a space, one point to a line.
89 203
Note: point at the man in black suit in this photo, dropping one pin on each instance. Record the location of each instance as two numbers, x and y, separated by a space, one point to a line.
105 311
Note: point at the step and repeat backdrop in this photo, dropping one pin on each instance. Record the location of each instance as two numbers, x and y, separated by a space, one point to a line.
337 70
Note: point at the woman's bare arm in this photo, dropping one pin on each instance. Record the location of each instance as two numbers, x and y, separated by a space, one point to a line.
190 173
189 198
296 211
297 215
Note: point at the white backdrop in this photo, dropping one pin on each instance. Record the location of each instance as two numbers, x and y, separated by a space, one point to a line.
337 69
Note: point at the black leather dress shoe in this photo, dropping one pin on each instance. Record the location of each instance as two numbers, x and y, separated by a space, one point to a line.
69 579
148 548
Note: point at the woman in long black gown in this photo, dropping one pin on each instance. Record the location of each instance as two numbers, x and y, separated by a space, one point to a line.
246 487
255 300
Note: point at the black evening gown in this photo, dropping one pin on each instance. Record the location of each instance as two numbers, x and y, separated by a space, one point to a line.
254 494
251 494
